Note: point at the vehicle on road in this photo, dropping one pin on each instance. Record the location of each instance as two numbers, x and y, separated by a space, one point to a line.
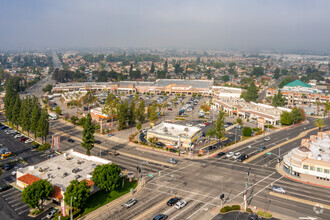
180 204
130 203
51 214
262 148
70 140
110 135
189 109
242 157
253 216
173 161
267 139
202 125
160 217
5 187
189 124
209 121
170 109
278 189
172 201
97 142
230 154
160 144
113 152
221 154
226 126
236 155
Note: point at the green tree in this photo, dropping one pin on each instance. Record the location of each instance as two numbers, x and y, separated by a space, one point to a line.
141 111
34 195
122 115
138 126
107 176
296 115
219 125
277 73
58 110
78 192
247 131
43 125
152 112
239 121
278 99
89 99
225 78
88 135
258 71
286 118
165 66
131 114
152 68
320 123
25 114
36 112
48 88
16 111
251 93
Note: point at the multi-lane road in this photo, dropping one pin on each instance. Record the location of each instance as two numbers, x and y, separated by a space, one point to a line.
200 182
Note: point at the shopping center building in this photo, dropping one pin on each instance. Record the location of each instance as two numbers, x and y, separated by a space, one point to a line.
311 161
174 135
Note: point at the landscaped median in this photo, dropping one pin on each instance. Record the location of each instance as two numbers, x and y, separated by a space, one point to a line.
237 208
301 135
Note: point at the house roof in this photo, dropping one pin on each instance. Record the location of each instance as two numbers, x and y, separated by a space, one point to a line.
28 179
57 193
89 182
298 83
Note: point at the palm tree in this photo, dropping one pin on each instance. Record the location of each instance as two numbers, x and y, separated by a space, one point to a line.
320 123
318 106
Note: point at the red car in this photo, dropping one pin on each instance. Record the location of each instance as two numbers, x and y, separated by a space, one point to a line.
23 139
170 109
206 123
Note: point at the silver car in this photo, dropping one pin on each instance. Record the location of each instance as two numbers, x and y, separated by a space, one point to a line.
130 203
278 189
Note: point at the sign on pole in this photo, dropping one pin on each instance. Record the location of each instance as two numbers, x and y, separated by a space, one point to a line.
56 142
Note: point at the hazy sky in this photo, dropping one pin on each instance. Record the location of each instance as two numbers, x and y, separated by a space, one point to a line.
245 24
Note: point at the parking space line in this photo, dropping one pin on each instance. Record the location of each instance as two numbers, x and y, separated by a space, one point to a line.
26 210
23 206
7 194
16 204
11 197
11 201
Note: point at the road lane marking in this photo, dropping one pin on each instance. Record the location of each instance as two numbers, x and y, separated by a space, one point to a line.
186 208
308 202
253 185
170 172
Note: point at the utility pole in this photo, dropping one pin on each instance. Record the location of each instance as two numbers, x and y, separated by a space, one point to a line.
246 186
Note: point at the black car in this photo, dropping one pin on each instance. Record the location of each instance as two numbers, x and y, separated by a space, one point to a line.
160 144
97 142
221 154
172 201
229 123
160 217
253 217
70 140
262 148
5 187
6 167
35 146
242 157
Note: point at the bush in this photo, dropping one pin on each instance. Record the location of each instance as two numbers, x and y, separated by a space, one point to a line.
225 209
269 126
82 121
247 131
239 121
236 207
268 215
256 129
58 110
44 147
248 210
261 213
33 143
36 212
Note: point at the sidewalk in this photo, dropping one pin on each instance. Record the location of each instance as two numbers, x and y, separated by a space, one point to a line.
121 200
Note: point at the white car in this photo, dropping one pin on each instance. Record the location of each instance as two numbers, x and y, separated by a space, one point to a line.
18 135
189 109
202 125
189 124
209 121
278 189
230 154
29 141
236 155
51 214
267 139
180 204
130 203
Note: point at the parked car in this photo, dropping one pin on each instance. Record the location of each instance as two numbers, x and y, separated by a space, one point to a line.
237 126
18 135
221 154
6 167
3 127
189 124
262 148
172 201
202 125
206 123
35 146
236 155
230 154
110 134
29 141
160 144
278 189
226 126
180 204
14 173
209 121
267 139
160 217
70 140
253 216
130 203
23 139
51 214
170 109
5 187
242 157
173 161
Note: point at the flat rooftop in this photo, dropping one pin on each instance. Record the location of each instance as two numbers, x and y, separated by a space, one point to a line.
58 170
321 147
174 130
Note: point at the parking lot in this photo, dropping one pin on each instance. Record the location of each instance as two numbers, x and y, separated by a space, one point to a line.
14 199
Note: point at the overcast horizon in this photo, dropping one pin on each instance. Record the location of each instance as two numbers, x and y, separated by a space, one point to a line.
238 24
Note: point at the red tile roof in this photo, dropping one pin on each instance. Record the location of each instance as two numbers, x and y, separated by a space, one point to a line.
57 193
89 182
28 179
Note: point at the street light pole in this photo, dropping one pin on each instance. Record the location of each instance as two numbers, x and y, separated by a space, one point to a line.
71 217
